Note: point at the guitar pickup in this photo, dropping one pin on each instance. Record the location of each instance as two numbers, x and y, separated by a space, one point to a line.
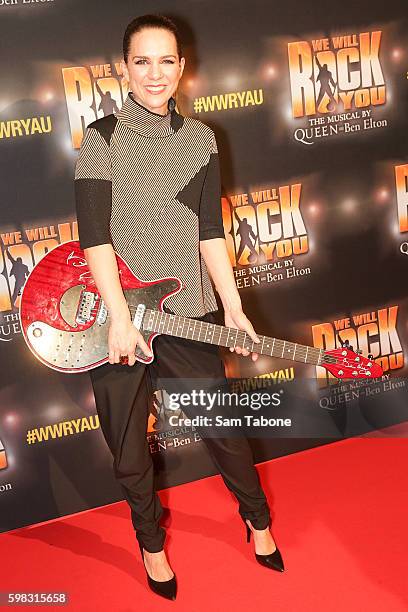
139 314
102 313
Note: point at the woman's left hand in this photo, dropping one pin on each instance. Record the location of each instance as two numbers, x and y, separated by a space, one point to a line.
238 320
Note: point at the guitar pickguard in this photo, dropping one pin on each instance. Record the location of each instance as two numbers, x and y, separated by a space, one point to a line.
78 350
63 319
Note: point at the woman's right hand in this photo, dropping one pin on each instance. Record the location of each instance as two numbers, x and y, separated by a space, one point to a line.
123 337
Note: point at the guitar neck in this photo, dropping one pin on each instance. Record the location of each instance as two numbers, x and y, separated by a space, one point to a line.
201 331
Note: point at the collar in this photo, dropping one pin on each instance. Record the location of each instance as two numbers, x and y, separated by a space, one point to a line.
145 122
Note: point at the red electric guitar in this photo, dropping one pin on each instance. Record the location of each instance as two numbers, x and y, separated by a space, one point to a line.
65 321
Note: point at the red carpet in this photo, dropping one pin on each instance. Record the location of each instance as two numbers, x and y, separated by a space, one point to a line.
339 511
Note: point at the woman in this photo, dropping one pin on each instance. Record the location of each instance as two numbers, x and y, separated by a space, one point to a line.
147 185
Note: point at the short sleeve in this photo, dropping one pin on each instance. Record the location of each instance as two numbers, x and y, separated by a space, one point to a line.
93 190
211 224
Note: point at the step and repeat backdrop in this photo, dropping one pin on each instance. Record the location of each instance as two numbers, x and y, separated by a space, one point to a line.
308 102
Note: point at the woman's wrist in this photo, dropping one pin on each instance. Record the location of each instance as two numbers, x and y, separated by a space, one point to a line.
120 313
231 303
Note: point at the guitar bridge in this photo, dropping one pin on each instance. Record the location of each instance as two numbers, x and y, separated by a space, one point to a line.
87 303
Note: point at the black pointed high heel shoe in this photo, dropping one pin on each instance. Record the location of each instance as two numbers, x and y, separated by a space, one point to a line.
166 588
273 560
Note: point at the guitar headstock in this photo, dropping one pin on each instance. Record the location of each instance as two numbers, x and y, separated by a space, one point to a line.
345 363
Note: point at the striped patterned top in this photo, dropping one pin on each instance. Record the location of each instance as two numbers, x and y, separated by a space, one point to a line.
149 184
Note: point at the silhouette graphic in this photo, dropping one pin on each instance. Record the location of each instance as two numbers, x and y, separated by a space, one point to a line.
20 272
107 104
325 78
3 457
157 412
245 233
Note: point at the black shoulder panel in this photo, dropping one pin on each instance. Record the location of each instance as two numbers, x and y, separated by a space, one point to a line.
105 126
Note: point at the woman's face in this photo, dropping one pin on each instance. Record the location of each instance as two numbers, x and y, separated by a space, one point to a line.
153 69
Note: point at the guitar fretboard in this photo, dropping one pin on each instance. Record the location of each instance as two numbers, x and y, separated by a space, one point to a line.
212 333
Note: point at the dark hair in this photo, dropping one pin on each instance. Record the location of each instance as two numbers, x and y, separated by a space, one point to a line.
150 21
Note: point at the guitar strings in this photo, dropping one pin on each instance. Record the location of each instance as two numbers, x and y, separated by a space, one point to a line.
301 353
